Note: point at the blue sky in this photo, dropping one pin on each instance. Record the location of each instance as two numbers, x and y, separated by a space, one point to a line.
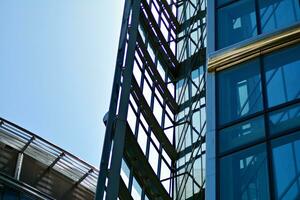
57 60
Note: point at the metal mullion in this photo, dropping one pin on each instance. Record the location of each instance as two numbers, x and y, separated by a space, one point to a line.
267 130
142 69
121 124
147 130
157 31
172 121
113 105
189 115
149 135
164 58
162 117
258 142
152 87
173 184
138 119
240 120
168 15
155 76
191 109
267 110
154 145
187 31
227 4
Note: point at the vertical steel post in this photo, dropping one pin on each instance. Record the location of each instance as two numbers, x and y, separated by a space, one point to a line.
121 121
113 104
19 165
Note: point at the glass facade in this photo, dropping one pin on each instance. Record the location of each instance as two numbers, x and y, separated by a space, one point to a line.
162 102
240 92
190 132
286 163
244 175
258 113
281 71
253 108
275 14
238 20
242 133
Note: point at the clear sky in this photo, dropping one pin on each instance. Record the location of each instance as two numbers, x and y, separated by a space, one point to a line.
57 59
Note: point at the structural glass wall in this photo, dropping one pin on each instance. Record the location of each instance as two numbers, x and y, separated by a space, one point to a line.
253 138
154 145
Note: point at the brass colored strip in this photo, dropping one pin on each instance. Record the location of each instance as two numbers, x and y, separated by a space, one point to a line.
260 47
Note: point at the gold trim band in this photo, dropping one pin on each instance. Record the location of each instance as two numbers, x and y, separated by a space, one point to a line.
252 50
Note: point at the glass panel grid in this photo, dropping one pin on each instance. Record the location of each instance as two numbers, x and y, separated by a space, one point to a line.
270 129
239 20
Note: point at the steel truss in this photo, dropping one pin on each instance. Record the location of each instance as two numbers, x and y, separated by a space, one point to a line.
154 145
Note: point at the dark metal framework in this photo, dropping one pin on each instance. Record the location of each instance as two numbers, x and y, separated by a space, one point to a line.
154 145
34 166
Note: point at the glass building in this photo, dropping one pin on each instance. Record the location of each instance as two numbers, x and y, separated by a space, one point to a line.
205 102
32 168
154 144
253 95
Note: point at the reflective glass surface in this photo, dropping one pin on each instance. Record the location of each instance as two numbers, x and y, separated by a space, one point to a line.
239 90
286 169
282 75
244 175
241 134
276 14
284 119
10 195
223 2
136 190
236 22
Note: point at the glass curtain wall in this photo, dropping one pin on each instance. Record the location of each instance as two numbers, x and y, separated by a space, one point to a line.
190 122
153 82
164 144
238 20
258 127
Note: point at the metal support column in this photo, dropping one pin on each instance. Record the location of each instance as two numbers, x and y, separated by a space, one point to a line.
113 104
19 165
121 121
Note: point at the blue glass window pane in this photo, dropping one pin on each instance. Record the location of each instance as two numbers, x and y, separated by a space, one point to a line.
236 22
242 133
277 14
136 190
244 175
25 197
223 2
239 90
286 166
284 119
11 195
282 76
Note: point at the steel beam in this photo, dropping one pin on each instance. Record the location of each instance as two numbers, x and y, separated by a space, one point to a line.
154 74
113 104
152 122
19 165
142 169
120 129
